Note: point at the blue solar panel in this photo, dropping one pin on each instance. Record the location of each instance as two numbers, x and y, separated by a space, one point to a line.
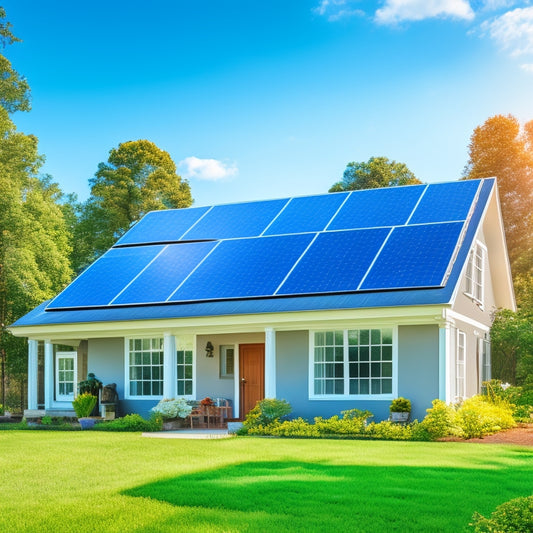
244 268
165 273
307 214
162 226
336 262
377 207
105 278
444 202
414 256
236 220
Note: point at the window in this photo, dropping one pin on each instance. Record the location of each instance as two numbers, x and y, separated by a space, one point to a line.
474 273
353 363
145 362
460 366
185 366
66 378
227 361
485 359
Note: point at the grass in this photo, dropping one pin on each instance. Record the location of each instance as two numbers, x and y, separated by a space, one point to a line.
87 481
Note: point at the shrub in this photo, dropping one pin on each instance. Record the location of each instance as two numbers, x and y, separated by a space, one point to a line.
84 404
388 431
173 408
266 412
91 385
400 405
440 421
514 516
133 422
295 428
478 416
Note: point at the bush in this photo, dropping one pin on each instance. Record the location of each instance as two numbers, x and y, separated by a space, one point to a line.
479 416
388 431
173 408
266 412
84 404
400 405
514 516
440 421
132 422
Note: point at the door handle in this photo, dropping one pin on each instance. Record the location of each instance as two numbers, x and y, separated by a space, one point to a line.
243 380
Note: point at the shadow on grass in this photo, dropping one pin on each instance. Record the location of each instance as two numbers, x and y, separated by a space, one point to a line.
300 496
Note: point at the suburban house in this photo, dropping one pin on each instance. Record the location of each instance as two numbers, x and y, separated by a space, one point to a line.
330 302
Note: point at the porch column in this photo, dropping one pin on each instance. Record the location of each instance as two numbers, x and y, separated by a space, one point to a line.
32 374
169 366
445 362
270 363
48 374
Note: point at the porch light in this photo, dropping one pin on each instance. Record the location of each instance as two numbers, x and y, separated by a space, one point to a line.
209 349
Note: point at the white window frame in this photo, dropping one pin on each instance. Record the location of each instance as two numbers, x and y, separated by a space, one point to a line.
66 397
127 380
460 366
485 360
475 273
224 374
346 376
186 343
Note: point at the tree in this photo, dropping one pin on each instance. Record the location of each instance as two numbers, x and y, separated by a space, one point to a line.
34 249
138 177
376 172
500 148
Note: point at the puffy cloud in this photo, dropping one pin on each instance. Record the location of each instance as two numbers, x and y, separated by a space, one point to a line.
513 30
206 169
337 9
395 11
527 67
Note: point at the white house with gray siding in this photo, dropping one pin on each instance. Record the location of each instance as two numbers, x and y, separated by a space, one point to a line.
330 302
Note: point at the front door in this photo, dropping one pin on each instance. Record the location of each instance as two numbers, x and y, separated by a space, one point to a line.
252 376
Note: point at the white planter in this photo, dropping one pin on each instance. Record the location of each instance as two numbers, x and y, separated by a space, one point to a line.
399 417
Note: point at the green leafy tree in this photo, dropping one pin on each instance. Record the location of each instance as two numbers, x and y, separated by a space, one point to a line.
138 177
376 172
501 148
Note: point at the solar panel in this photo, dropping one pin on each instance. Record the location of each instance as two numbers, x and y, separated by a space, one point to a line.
236 220
336 262
414 256
306 214
161 278
244 268
377 207
162 226
105 278
444 202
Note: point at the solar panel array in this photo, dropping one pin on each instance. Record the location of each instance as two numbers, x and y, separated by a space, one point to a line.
372 240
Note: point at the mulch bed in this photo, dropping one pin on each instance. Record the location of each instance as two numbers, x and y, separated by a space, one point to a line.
521 436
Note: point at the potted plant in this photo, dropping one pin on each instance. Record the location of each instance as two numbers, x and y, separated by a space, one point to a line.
92 385
83 406
400 409
173 411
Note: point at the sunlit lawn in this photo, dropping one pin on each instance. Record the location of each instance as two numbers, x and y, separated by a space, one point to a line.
89 481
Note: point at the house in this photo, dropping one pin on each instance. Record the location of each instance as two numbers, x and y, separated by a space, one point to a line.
330 302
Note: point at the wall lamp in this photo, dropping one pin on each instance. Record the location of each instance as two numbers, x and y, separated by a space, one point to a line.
209 349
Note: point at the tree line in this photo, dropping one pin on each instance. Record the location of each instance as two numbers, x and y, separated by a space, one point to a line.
47 237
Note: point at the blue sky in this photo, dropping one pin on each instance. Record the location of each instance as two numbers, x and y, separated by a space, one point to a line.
268 99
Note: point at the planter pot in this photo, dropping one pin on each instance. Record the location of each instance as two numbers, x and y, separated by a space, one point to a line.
399 417
87 423
174 423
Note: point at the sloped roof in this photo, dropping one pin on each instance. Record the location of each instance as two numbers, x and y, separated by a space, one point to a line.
375 248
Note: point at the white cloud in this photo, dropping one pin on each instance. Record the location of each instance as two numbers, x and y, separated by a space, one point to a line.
527 67
206 169
513 31
395 11
337 9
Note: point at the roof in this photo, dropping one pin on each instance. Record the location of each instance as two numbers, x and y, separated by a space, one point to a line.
388 247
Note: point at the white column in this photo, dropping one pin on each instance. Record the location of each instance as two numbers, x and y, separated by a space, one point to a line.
270 363
32 374
169 366
446 362
48 374
443 337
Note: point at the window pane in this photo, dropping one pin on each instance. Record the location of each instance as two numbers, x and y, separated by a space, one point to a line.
364 386
188 387
319 339
364 337
386 353
386 336
339 387
376 336
319 354
180 354
364 370
329 354
376 353
353 353
329 338
181 388
353 337
386 370
363 353
146 358
146 344
319 371
188 357
376 386
354 370
376 370
339 370
339 353
339 338
354 386
386 386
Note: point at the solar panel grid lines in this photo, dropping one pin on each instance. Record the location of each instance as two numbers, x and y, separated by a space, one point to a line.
276 217
374 260
414 257
416 205
337 212
191 227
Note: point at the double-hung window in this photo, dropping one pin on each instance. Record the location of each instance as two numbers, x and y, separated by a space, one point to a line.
475 273
66 375
485 359
185 367
145 367
460 366
352 363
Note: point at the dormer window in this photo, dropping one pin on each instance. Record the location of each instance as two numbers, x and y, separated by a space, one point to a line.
475 273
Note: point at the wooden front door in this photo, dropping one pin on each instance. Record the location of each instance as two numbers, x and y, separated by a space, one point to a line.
252 376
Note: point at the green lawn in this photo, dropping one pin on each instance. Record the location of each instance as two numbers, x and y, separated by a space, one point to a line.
106 482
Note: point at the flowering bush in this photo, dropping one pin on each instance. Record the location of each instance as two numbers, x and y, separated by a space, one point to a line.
514 516
206 402
173 408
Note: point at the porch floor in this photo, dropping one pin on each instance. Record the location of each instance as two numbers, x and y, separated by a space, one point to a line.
190 434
